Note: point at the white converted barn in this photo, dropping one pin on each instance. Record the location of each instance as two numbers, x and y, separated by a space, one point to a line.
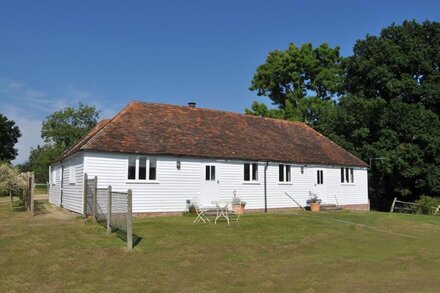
170 154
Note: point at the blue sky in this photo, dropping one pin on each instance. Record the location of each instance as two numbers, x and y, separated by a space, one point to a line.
55 54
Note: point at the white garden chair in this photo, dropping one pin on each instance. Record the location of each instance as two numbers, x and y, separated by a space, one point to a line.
201 213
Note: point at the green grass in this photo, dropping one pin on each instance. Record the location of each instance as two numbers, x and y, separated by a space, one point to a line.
55 251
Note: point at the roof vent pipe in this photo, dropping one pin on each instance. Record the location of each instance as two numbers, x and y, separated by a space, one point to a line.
191 104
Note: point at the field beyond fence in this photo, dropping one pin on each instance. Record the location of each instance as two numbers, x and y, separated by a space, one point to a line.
328 251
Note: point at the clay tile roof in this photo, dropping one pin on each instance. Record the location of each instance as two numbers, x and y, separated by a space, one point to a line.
159 129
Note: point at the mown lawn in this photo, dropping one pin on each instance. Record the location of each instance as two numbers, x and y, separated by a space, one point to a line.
56 251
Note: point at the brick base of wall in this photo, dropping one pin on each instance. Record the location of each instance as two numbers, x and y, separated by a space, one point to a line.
354 207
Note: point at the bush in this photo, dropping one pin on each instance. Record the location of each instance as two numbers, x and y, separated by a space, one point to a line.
427 205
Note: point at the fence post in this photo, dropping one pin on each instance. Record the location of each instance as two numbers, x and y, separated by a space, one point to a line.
95 198
85 195
129 221
32 190
392 206
109 209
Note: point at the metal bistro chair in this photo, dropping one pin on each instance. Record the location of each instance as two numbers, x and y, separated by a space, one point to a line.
201 213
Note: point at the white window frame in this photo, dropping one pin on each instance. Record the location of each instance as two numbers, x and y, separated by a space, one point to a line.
287 176
347 176
210 169
251 179
72 174
147 171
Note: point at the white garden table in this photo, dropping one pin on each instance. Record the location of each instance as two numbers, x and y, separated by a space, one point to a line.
222 210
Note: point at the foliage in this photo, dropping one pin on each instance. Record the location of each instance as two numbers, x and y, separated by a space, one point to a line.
191 208
66 126
401 63
11 179
9 134
313 198
289 77
41 158
387 109
427 204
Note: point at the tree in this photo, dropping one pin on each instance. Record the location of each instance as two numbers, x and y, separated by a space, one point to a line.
9 134
41 158
298 79
401 63
11 180
388 105
68 125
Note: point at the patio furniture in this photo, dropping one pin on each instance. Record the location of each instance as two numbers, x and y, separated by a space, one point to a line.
200 211
222 211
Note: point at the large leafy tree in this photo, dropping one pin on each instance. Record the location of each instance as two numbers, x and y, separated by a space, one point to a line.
9 134
66 126
41 158
387 111
300 81
401 63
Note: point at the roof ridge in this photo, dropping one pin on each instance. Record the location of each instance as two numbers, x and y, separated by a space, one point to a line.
220 111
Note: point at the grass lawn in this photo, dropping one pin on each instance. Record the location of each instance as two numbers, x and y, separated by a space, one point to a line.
57 251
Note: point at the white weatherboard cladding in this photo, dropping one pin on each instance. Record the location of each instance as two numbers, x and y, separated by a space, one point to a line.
174 187
73 192
55 185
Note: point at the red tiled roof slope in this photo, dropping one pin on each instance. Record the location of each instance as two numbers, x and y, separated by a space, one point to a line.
159 129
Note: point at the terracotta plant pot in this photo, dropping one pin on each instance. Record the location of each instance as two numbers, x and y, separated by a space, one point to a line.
314 206
238 209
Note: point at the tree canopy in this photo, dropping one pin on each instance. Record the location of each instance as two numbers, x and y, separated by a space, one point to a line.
9 134
386 104
66 126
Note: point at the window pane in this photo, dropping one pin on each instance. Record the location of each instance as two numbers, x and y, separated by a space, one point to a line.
342 175
352 175
212 173
318 179
288 177
131 168
347 176
207 172
247 172
255 172
152 170
322 177
142 168
281 173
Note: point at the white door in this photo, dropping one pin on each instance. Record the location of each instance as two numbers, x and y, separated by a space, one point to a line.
210 184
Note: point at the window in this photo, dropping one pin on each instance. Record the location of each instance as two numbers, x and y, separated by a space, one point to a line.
347 175
320 177
284 173
152 169
209 173
250 172
141 168
131 168
72 174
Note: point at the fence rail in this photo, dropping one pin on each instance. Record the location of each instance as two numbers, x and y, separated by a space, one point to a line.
111 209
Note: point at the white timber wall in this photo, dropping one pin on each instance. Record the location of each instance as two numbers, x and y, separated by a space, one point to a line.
174 187
55 184
72 198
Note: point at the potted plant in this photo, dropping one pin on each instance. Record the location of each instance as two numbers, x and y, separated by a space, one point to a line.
314 202
238 205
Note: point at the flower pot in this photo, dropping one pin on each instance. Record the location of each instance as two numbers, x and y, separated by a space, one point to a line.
314 206
238 209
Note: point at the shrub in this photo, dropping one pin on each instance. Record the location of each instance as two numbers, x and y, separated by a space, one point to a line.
427 205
